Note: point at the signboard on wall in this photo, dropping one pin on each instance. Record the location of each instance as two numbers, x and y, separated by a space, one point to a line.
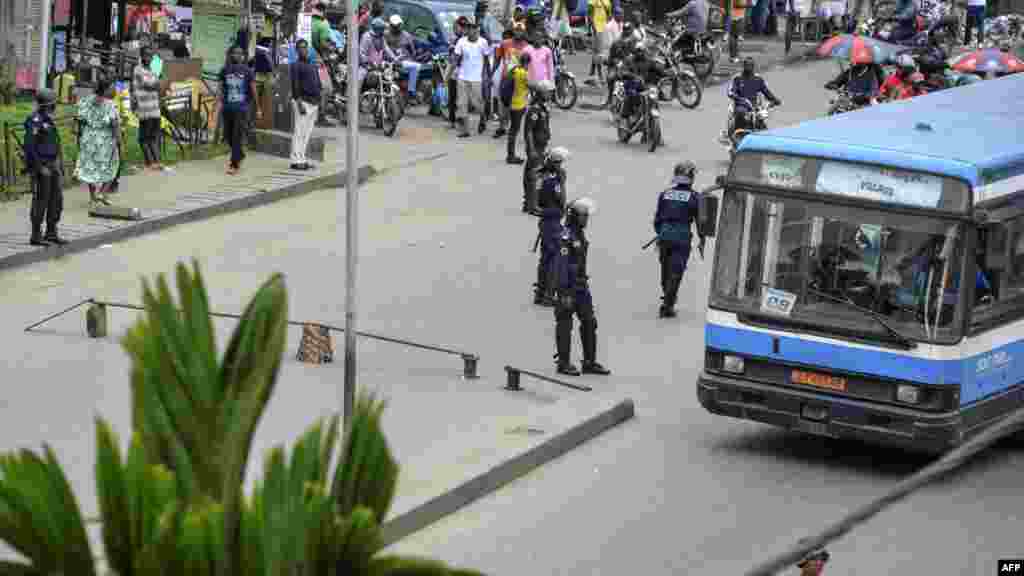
213 32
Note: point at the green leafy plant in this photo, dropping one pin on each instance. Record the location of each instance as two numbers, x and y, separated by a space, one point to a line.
173 503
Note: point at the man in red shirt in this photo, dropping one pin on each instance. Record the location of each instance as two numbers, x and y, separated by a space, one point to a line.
897 86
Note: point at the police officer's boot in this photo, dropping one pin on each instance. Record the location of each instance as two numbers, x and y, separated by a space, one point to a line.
588 336
563 341
668 302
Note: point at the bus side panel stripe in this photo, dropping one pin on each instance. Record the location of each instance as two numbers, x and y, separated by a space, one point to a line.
797 350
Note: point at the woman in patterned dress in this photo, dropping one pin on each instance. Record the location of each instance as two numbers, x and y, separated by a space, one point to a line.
98 154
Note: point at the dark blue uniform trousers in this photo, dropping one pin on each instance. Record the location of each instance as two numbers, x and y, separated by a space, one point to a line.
673 257
583 307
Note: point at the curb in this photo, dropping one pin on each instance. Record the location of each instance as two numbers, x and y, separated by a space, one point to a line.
473 489
236 204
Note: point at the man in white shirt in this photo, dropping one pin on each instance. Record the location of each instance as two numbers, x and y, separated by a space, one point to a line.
471 58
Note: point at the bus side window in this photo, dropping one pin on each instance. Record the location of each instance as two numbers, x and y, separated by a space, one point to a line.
1015 267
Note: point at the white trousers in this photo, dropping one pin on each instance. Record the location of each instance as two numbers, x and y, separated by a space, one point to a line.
302 130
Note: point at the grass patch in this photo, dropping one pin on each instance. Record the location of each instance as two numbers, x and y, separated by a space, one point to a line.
14 117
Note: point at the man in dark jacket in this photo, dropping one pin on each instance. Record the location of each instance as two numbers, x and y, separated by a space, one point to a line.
744 90
551 204
862 82
45 163
306 92
676 212
537 134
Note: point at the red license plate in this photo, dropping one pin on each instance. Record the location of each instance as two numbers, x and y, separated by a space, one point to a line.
818 380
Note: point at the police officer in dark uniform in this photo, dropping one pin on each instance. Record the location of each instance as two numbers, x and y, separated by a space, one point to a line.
45 164
677 210
572 292
537 134
551 202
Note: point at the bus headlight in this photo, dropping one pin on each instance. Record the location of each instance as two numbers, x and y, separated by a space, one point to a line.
908 394
732 364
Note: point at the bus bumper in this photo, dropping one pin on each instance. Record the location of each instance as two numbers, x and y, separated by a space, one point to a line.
835 417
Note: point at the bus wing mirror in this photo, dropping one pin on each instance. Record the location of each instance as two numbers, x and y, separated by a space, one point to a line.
707 215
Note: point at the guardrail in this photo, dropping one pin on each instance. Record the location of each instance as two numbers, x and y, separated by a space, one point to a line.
96 327
513 376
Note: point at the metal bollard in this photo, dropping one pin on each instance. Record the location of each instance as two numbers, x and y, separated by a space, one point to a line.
512 381
469 366
96 320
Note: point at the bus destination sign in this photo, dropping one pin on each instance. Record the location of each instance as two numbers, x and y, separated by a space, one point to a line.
879 184
783 171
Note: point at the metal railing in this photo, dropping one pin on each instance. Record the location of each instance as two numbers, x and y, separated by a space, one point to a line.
469 361
513 377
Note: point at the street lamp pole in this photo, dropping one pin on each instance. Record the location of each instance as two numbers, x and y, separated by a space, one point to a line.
351 208
44 46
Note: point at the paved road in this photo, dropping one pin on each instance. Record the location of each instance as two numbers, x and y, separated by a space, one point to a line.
445 259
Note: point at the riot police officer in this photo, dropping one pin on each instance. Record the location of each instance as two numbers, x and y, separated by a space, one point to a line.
677 210
572 292
537 134
45 164
551 203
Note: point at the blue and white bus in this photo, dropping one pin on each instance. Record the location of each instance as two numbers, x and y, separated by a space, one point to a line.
836 305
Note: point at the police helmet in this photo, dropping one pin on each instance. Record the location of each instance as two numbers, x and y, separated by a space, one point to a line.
627 29
543 87
748 65
557 155
580 210
684 172
46 97
377 26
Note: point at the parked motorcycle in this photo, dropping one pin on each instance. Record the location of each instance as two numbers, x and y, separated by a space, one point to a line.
677 82
647 122
755 115
382 100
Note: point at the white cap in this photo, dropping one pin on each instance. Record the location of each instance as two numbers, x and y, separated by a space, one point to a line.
558 154
395 20
584 205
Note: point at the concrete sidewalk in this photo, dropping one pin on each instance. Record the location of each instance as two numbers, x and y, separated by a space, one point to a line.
201 189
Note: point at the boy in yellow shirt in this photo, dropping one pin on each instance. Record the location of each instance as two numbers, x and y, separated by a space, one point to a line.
516 110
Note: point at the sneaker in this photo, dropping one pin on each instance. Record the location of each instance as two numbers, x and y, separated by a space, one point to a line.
38 241
499 133
666 312
54 239
595 368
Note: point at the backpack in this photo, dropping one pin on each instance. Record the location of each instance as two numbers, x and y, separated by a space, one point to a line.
507 87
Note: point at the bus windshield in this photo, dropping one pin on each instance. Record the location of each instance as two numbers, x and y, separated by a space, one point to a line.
863 273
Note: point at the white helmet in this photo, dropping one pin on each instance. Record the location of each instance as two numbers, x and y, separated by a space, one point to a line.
395 21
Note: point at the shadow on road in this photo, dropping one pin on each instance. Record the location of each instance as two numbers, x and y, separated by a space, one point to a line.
867 459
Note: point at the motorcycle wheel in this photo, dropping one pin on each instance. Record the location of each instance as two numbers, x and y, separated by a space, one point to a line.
653 134
566 92
688 91
666 89
392 114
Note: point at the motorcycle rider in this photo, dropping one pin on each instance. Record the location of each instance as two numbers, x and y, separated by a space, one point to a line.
404 47
551 202
676 211
695 19
898 85
620 51
634 79
537 134
572 291
862 81
743 90
373 51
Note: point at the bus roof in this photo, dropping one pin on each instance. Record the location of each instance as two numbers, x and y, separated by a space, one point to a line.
976 130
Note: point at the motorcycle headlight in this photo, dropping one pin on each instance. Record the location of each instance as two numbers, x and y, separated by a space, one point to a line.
653 92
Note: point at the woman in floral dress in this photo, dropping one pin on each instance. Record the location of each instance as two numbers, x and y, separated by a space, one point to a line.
98 154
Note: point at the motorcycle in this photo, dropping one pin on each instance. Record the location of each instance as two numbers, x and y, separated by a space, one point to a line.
842 102
566 92
676 81
755 115
382 101
699 51
424 84
338 71
647 122
618 93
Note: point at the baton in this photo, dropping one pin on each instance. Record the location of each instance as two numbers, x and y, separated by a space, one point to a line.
536 243
653 240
